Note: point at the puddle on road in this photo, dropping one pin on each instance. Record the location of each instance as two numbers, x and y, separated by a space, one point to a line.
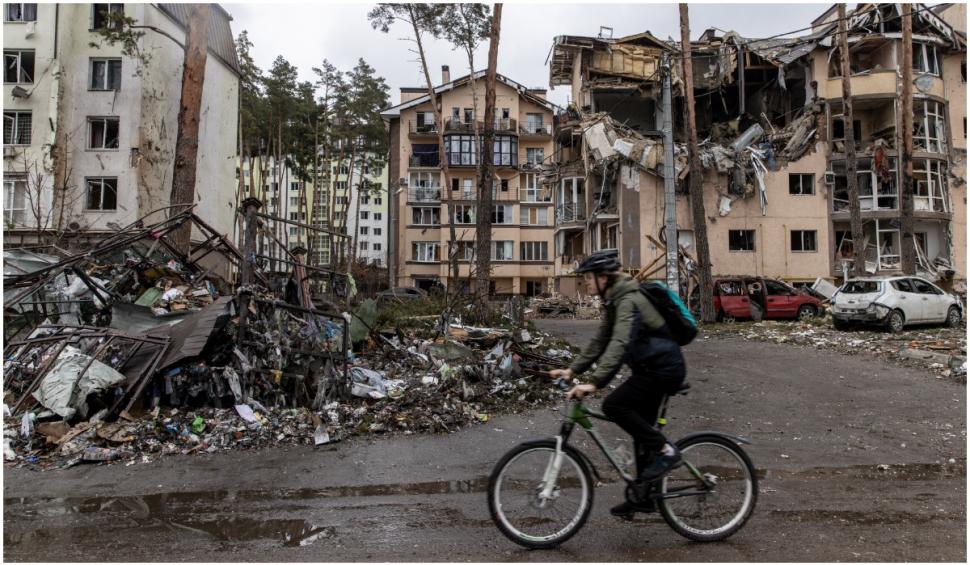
291 533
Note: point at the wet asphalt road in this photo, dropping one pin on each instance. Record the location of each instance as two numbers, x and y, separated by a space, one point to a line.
824 427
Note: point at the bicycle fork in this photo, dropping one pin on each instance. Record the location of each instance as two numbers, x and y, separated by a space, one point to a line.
551 474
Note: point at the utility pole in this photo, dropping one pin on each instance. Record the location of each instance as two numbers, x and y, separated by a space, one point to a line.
705 284
851 176
908 239
190 106
670 193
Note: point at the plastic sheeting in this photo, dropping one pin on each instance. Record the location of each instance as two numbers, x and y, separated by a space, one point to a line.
64 390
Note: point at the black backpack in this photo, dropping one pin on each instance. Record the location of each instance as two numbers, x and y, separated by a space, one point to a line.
680 324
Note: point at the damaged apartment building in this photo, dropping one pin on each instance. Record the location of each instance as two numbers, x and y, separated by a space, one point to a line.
771 145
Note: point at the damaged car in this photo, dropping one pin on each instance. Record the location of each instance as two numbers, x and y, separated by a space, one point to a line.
894 303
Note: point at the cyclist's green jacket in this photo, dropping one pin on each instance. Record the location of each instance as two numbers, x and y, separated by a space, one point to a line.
629 334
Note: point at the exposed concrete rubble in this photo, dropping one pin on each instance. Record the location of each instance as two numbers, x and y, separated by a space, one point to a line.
941 351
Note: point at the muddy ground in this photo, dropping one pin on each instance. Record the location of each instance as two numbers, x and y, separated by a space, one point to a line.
860 461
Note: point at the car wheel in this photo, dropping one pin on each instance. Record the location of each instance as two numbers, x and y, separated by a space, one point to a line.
895 321
953 317
806 312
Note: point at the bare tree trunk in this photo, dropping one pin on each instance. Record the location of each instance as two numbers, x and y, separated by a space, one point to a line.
705 284
483 231
851 176
190 106
908 239
442 156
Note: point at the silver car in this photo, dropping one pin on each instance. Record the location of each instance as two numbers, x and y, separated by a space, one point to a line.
894 303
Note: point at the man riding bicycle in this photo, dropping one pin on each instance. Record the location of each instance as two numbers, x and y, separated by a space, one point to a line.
633 333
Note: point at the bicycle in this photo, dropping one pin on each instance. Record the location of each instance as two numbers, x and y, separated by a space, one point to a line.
709 497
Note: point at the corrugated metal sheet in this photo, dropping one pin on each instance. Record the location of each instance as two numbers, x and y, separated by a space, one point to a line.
190 336
221 41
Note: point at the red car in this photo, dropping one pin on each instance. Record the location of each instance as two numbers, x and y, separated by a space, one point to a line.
756 298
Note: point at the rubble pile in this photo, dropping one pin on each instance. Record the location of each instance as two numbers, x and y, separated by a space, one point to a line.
943 351
558 306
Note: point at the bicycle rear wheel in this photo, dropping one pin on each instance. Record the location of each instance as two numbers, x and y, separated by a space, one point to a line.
516 502
714 492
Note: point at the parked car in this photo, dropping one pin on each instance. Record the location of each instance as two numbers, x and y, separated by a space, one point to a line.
401 293
894 303
743 298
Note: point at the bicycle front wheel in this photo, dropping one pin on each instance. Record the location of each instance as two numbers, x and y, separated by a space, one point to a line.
713 493
529 511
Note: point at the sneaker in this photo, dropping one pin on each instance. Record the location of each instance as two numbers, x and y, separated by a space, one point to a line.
626 510
660 466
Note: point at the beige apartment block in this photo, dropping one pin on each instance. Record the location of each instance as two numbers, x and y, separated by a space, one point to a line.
796 227
522 215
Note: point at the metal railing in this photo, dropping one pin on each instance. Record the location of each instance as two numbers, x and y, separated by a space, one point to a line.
535 195
535 129
571 212
498 195
425 194
416 128
505 124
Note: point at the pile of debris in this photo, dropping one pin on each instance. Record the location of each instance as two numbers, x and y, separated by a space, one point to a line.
943 351
559 306
416 384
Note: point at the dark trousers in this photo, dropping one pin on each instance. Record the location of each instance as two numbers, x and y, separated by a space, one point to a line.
634 406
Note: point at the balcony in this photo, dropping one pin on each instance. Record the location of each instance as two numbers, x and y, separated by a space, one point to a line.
535 130
418 130
506 125
425 194
425 161
531 167
460 126
570 212
497 195
535 195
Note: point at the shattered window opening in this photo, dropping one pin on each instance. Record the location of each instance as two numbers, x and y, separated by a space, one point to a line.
463 213
877 189
466 250
929 128
929 186
741 240
103 132
802 184
18 66
17 128
861 287
426 216
102 194
925 59
804 241
425 251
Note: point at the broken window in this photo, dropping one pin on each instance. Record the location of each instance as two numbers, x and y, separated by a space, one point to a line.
463 213
502 214
20 12
534 251
426 216
462 150
425 251
929 186
425 122
102 193
14 200
877 188
505 151
466 250
468 116
16 128
18 66
107 14
741 240
502 250
572 200
533 123
534 155
803 241
929 129
838 129
103 133
925 59
801 184
105 74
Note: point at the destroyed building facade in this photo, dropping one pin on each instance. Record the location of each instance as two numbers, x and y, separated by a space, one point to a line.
522 214
768 121
89 133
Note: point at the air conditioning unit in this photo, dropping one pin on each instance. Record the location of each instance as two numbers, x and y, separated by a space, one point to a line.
29 29
829 177
9 152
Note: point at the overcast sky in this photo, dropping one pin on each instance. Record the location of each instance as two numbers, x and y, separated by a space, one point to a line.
305 34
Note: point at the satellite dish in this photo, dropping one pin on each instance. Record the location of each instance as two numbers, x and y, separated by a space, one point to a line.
924 83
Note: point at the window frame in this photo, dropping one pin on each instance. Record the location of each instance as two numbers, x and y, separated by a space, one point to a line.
22 20
534 251
430 249
94 13
15 128
753 239
11 184
19 53
463 212
507 214
425 216
800 177
921 49
105 119
507 245
801 238
107 61
87 194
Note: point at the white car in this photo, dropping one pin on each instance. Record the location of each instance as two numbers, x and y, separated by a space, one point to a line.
894 303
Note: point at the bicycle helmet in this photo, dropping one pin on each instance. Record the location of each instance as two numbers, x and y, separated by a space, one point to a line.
603 261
